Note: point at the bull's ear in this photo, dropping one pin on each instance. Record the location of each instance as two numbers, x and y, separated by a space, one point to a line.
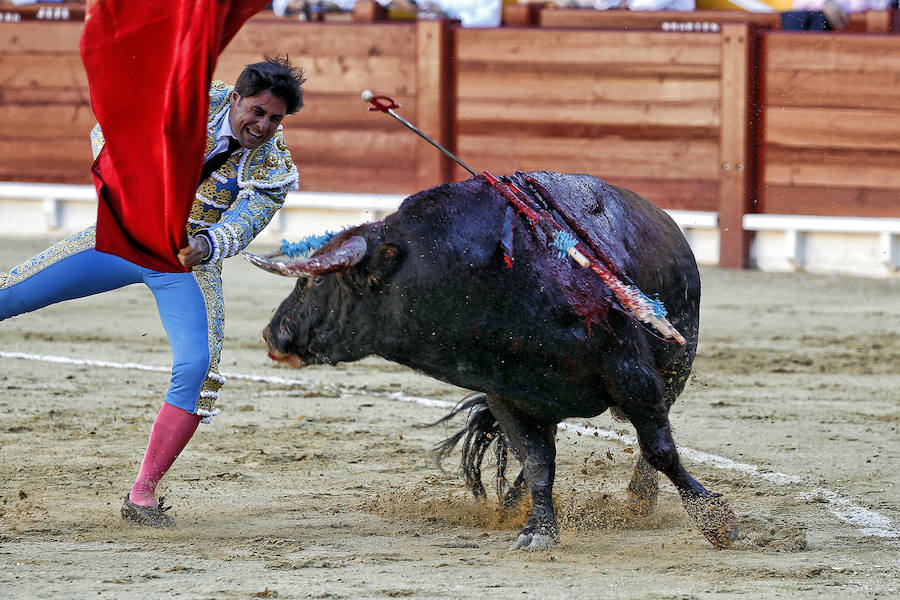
384 261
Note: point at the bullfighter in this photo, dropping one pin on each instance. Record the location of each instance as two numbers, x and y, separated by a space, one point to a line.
248 171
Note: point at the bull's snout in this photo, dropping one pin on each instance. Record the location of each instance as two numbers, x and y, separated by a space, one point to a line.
275 341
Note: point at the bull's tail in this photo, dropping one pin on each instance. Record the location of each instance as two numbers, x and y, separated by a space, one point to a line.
480 432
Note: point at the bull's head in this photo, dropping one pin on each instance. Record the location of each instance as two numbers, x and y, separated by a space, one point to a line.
321 321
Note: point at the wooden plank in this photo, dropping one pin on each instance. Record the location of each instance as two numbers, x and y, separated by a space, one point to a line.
675 194
549 129
357 179
619 157
347 110
691 116
834 168
831 52
738 150
596 69
436 100
336 73
539 83
351 147
63 173
45 96
540 46
835 158
805 86
76 148
42 71
35 37
57 121
830 201
331 39
834 128
65 160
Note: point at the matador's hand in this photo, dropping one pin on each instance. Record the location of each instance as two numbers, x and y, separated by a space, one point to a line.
195 252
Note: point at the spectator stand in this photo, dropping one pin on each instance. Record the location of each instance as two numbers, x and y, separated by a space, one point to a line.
55 11
709 17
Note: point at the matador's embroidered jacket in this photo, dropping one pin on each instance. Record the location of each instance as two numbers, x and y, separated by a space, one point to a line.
230 209
240 198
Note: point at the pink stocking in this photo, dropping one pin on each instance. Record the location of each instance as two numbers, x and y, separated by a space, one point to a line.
171 432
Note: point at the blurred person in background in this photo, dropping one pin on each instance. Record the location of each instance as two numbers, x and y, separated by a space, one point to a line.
471 13
304 9
674 5
824 15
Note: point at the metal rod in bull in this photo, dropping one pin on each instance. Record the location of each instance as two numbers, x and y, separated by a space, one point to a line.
387 105
381 103
631 298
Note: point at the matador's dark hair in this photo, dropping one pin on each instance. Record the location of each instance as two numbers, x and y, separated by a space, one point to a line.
276 75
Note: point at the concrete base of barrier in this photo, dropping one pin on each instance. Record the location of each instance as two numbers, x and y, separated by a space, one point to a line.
840 245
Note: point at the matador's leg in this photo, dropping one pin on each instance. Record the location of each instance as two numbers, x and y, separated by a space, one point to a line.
69 269
190 306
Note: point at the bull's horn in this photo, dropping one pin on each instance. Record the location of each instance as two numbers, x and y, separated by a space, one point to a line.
350 253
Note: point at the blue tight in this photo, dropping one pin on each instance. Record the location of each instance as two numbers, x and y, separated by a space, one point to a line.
179 300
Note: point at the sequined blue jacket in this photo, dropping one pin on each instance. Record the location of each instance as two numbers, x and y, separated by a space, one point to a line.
239 199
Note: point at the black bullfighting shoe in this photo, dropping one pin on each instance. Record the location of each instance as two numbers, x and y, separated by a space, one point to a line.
149 516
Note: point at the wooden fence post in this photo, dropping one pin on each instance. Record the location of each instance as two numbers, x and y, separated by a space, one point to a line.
435 100
878 21
521 15
369 11
739 140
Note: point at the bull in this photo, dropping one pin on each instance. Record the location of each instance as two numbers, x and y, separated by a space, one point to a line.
539 338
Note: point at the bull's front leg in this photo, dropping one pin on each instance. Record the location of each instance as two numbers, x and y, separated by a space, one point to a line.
535 445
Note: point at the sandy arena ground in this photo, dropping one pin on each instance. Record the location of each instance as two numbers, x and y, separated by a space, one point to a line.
318 484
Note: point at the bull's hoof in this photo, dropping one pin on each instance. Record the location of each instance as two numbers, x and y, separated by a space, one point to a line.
643 505
714 518
643 490
513 497
534 542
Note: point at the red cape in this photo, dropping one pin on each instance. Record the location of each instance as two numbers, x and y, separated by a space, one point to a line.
149 64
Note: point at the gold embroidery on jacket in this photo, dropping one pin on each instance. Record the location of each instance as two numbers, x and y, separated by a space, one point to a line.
75 243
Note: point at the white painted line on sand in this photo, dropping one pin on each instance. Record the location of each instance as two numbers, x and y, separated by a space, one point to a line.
867 521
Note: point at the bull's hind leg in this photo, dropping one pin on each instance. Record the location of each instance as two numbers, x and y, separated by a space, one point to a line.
637 390
535 445
643 489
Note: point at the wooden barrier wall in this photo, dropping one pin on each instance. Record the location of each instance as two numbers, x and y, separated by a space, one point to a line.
638 109
45 103
832 125
337 144
732 121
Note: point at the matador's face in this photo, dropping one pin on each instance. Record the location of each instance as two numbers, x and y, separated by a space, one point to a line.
255 119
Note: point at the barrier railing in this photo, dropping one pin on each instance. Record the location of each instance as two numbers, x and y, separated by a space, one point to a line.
733 122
